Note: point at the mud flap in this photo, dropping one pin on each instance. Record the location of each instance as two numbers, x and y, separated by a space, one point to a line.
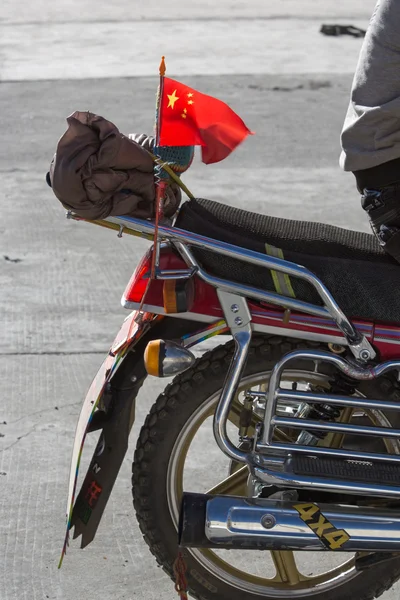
109 453
114 391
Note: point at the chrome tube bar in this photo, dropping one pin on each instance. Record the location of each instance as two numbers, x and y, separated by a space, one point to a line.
283 450
238 318
175 274
309 425
242 343
179 236
309 398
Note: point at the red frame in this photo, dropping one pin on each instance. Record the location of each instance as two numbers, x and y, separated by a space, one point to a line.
206 307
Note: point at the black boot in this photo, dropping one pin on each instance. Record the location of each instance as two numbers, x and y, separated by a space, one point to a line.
383 208
380 187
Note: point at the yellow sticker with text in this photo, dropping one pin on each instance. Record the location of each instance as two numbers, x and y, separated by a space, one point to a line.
329 535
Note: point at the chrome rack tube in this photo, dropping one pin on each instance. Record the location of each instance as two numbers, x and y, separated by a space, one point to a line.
348 428
264 451
238 319
242 343
343 401
356 340
249 291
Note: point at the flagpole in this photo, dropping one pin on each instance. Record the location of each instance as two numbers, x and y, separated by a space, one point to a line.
159 182
162 68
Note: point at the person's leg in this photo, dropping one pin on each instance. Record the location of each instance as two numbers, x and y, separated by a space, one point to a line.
371 132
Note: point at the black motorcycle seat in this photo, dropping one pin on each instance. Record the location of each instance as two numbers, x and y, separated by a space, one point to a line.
364 280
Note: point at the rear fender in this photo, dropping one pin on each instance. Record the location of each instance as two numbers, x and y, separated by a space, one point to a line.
113 391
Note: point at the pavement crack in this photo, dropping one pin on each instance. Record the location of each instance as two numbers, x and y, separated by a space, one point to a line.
19 438
45 410
15 170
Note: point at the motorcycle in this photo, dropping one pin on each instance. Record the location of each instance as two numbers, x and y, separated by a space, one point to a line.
284 440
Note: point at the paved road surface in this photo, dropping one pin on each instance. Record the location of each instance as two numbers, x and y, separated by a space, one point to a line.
61 282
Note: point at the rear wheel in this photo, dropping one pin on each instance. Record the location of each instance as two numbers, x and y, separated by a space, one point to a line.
176 451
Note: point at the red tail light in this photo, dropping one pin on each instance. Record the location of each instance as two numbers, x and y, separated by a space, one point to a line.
159 290
137 285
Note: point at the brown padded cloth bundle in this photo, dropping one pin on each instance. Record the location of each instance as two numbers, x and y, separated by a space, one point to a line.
99 172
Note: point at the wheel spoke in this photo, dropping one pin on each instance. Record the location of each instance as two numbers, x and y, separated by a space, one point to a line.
235 484
286 568
281 436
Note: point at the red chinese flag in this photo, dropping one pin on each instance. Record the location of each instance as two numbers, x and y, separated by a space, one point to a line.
189 118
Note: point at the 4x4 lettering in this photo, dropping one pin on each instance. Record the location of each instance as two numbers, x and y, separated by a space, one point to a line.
306 511
336 538
331 537
320 526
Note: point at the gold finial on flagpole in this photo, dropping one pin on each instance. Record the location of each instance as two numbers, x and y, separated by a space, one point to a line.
162 67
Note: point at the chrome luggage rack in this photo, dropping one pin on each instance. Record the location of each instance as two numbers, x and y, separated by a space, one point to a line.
183 241
270 461
273 462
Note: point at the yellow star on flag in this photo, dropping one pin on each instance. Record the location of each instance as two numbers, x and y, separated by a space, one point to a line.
190 102
172 99
190 95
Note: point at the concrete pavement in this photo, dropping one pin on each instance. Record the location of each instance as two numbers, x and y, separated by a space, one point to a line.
62 281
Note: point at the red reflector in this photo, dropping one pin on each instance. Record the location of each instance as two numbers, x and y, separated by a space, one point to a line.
138 282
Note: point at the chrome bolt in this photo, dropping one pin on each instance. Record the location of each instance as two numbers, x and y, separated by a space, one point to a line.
238 321
365 355
134 379
234 308
268 521
257 489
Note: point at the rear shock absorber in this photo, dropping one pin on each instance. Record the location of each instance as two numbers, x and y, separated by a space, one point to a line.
342 385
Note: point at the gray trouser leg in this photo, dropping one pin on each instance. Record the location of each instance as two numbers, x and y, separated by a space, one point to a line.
371 132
